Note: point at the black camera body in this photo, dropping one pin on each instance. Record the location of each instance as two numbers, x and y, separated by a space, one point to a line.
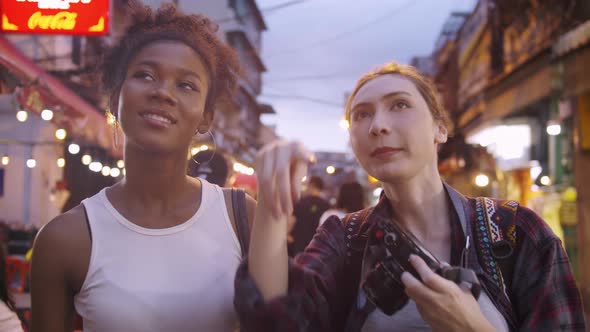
383 285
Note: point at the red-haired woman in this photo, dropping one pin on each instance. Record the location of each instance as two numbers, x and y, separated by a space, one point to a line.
396 125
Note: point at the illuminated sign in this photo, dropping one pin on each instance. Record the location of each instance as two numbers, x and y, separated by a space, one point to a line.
72 17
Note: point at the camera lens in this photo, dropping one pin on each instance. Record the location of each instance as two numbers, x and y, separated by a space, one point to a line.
390 239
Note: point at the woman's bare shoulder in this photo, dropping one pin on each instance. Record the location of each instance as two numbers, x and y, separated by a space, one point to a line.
65 244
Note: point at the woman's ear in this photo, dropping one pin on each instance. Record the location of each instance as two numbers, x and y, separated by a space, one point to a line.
441 134
205 123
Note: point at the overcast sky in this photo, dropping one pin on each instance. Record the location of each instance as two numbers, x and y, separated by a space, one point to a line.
315 51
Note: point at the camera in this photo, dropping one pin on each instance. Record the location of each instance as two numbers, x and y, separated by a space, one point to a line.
383 285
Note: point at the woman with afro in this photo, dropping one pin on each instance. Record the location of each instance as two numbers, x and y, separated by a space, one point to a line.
158 250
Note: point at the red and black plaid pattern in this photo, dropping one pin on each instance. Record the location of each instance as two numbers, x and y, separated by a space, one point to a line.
543 293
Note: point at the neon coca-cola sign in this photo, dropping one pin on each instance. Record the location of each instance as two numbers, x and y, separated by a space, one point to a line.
73 17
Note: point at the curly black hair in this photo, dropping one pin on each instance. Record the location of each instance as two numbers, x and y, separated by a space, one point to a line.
168 23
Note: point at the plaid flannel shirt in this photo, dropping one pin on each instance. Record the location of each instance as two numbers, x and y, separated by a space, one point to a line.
542 296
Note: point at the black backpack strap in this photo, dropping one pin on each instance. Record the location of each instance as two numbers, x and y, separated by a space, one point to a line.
355 246
238 198
87 221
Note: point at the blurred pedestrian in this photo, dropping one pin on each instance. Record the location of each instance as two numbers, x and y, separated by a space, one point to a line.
306 215
351 198
156 251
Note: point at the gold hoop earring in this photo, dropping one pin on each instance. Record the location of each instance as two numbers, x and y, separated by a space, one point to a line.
112 121
214 149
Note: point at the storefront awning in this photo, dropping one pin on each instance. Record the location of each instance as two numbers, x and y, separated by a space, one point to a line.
42 90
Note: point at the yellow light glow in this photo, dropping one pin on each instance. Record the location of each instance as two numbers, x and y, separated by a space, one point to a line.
344 124
22 116
120 164
545 180
330 169
61 162
194 151
86 159
204 148
5 160
61 134
482 180
106 170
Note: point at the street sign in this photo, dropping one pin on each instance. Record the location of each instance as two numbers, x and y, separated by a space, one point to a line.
71 17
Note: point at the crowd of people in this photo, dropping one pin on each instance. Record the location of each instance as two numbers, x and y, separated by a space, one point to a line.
162 251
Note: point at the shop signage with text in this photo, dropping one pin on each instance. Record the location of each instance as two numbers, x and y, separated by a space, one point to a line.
72 17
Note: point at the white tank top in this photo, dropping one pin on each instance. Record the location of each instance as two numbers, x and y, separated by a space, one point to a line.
173 279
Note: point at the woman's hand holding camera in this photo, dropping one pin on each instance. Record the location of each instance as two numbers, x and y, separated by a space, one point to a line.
444 305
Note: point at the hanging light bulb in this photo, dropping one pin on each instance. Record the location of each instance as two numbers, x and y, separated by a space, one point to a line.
545 180
61 162
482 180
74 148
61 134
553 128
115 172
95 166
120 163
106 170
86 159
31 163
330 169
5 160
47 114
22 116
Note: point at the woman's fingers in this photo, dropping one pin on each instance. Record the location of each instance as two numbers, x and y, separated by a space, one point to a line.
299 168
283 180
279 168
429 277
417 290
264 175
298 171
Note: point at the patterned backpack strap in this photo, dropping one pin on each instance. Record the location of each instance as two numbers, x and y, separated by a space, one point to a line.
496 234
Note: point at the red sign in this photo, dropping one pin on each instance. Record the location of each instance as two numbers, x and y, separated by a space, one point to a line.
72 17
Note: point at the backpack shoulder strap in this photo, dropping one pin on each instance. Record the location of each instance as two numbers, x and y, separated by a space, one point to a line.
355 245
496 232
352 223
240 212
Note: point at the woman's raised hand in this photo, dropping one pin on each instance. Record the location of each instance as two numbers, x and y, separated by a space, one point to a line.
280 167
